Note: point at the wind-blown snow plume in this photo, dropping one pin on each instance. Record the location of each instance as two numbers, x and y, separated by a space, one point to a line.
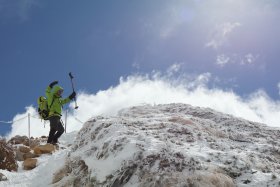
157 89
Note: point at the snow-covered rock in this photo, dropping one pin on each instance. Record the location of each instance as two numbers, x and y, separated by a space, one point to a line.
172 145
46 166
3 177
7 157
162 145
19 140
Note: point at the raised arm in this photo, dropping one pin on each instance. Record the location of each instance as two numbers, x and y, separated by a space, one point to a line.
68 99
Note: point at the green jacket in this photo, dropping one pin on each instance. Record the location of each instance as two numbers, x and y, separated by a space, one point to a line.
55 102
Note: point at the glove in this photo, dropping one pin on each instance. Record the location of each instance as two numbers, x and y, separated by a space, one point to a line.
72 96
53 83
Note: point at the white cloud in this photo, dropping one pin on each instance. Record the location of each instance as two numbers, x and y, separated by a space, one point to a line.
156 89
220 34
222 60
175 68
249 59
201 80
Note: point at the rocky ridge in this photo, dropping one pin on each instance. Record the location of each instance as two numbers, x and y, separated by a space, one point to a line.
172 145
17 151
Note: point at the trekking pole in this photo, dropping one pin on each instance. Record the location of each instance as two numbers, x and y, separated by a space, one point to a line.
71 77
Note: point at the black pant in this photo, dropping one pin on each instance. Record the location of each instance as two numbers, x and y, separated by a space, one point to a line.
56 129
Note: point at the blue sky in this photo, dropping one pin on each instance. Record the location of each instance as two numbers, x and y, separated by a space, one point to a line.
237 42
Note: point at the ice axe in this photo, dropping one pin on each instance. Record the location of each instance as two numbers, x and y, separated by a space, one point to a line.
71 77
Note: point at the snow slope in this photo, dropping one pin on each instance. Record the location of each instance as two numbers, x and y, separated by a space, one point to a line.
47 165
161 145
173 145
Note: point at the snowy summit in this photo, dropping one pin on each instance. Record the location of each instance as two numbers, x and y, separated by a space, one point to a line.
162 146
174 145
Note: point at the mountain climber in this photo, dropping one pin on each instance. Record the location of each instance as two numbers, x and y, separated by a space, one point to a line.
55 103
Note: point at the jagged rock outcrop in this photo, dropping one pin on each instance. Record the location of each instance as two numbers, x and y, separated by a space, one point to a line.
18 150
7 157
